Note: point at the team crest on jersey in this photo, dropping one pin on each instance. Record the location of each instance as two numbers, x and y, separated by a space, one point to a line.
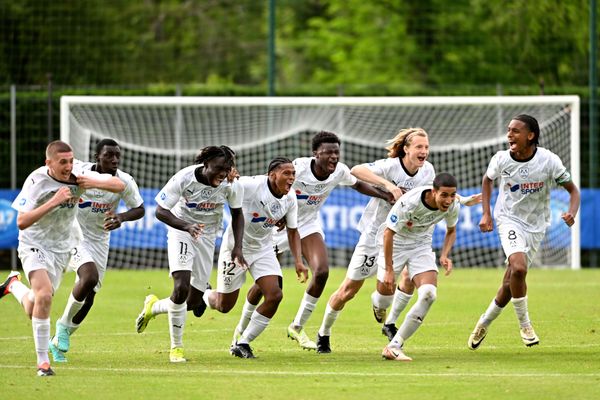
275 208
320 187
524 172
205 193
408 185
183 258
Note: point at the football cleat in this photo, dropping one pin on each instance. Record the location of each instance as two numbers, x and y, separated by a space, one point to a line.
301 337
5 287
45 370
201 308
323 346
394 353
57 355
176 355
477 336
389 330
62 338
241 350
146 315
529 337
379 314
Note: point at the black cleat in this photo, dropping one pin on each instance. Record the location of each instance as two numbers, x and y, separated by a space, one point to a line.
201 308
389 330
4 288
323 344
241 350
45 370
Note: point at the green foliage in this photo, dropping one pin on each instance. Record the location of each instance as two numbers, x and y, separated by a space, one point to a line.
109 360
349 42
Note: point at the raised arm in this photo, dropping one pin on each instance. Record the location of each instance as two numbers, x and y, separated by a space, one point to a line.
101 181
27 218
373 191
365 174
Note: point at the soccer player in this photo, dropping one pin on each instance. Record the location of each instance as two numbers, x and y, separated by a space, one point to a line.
405 168
407 240
97 217
267 199
191 204
47 235
522 212
405 289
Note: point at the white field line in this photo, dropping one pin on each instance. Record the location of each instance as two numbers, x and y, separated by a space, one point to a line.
176 370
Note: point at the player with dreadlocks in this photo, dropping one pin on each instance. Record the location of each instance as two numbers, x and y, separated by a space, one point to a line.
191 204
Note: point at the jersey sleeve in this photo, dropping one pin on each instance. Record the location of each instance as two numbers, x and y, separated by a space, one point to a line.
236 195
27 198
131 195
429 175
291 217
347 178
559 171
397 218
378 167
170 194
493 169
452 215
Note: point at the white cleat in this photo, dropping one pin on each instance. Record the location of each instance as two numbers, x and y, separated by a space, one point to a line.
477 336
394 353
301 337
529 337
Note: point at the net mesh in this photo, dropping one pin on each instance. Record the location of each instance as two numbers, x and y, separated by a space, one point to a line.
159 139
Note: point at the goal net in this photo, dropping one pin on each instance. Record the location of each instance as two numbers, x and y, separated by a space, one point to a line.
160 135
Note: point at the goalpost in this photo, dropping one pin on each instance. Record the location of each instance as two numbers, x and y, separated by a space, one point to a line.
160 135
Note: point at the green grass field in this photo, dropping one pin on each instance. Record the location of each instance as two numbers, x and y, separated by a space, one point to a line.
109 360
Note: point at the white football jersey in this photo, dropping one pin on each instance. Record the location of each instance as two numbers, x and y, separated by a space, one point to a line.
311 192
414 221
196 202
262 210
524 195
94 203
392 170
57 230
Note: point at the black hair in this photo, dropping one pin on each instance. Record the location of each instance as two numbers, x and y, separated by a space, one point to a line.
444 179
210 152
532 125
277 162
324 137
104 142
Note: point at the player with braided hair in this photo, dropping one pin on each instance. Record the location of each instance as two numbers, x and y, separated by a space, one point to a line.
191 204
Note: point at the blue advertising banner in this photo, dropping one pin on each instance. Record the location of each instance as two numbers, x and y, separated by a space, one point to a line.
340 215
